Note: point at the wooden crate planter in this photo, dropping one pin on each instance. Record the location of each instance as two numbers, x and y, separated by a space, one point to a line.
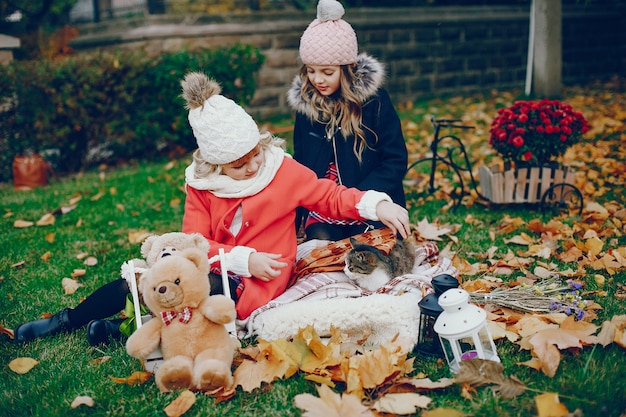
525 185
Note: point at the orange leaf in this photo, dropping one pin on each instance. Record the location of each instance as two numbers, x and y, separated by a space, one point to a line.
136 378
8 332
181 404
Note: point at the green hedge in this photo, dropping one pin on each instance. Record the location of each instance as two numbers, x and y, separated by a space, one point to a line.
102 107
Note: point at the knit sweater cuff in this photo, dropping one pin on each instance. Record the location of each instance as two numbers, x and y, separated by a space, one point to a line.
237 260
367 205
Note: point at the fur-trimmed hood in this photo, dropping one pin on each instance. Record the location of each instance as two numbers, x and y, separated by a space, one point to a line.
370 75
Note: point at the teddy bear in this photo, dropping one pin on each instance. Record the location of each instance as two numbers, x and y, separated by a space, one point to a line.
189 324
153 248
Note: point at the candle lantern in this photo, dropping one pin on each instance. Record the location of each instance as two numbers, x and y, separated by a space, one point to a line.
463 330
428 342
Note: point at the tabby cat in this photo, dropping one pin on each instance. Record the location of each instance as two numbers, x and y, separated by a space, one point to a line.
370 268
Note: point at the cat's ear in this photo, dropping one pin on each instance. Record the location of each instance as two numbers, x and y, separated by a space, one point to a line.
353 242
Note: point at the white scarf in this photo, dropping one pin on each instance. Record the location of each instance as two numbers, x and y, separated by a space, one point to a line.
225 187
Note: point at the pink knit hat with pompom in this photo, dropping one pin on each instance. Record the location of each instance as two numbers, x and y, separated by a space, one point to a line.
328 40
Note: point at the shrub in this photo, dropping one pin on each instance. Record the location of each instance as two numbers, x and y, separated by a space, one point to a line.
105 106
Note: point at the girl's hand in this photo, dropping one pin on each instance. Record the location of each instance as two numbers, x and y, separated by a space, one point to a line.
264 266
394 217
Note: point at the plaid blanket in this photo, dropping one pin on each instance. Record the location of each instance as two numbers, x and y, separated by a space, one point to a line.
321 291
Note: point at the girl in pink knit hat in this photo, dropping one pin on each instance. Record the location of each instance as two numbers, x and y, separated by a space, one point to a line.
346 127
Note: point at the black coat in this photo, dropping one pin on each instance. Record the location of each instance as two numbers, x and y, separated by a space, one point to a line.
383 163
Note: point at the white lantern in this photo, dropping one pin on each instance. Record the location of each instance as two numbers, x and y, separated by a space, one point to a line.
463 330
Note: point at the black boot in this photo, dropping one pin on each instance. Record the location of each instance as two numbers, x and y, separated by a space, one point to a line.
58 323
99 331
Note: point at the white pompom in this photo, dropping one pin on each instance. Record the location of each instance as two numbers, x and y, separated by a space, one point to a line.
329 10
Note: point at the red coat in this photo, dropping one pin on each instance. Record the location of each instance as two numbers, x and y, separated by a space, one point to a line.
268 222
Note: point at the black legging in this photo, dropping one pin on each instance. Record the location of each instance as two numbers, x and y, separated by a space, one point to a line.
104 302
110 299
334 232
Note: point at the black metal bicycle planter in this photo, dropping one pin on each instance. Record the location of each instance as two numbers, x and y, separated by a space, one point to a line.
550 186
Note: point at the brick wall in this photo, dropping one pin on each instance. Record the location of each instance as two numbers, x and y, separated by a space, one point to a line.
428 51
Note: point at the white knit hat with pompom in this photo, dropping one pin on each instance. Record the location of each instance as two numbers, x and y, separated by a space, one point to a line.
329 40
223 130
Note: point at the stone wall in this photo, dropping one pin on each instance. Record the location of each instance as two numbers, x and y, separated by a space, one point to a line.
428 51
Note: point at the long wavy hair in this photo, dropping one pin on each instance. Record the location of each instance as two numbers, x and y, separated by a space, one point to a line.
204 169
343 110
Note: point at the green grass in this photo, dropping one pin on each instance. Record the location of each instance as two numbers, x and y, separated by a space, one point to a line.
149 196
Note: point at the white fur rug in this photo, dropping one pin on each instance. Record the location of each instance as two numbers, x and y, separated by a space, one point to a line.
331 298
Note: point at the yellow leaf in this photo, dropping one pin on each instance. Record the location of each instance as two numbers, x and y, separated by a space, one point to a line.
101 359
401 403
81 255
610 330
431 231
22 365
521 239
91 261
49 237
97 196
78 273
20 224
120 207
136 378
138 236
549 405
594 245
113 191
46 220
250 374
67 209
322 380
426 383
600 280
82 400
442 412
181 404
70 285
330 404
46 256
175 202
75 199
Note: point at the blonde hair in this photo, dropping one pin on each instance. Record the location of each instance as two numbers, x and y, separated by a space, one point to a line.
204 169
343 110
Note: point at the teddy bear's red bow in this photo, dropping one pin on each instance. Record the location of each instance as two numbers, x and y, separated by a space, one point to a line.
184 316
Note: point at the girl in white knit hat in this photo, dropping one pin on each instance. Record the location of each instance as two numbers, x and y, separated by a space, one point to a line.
243 191
242 194
346 127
